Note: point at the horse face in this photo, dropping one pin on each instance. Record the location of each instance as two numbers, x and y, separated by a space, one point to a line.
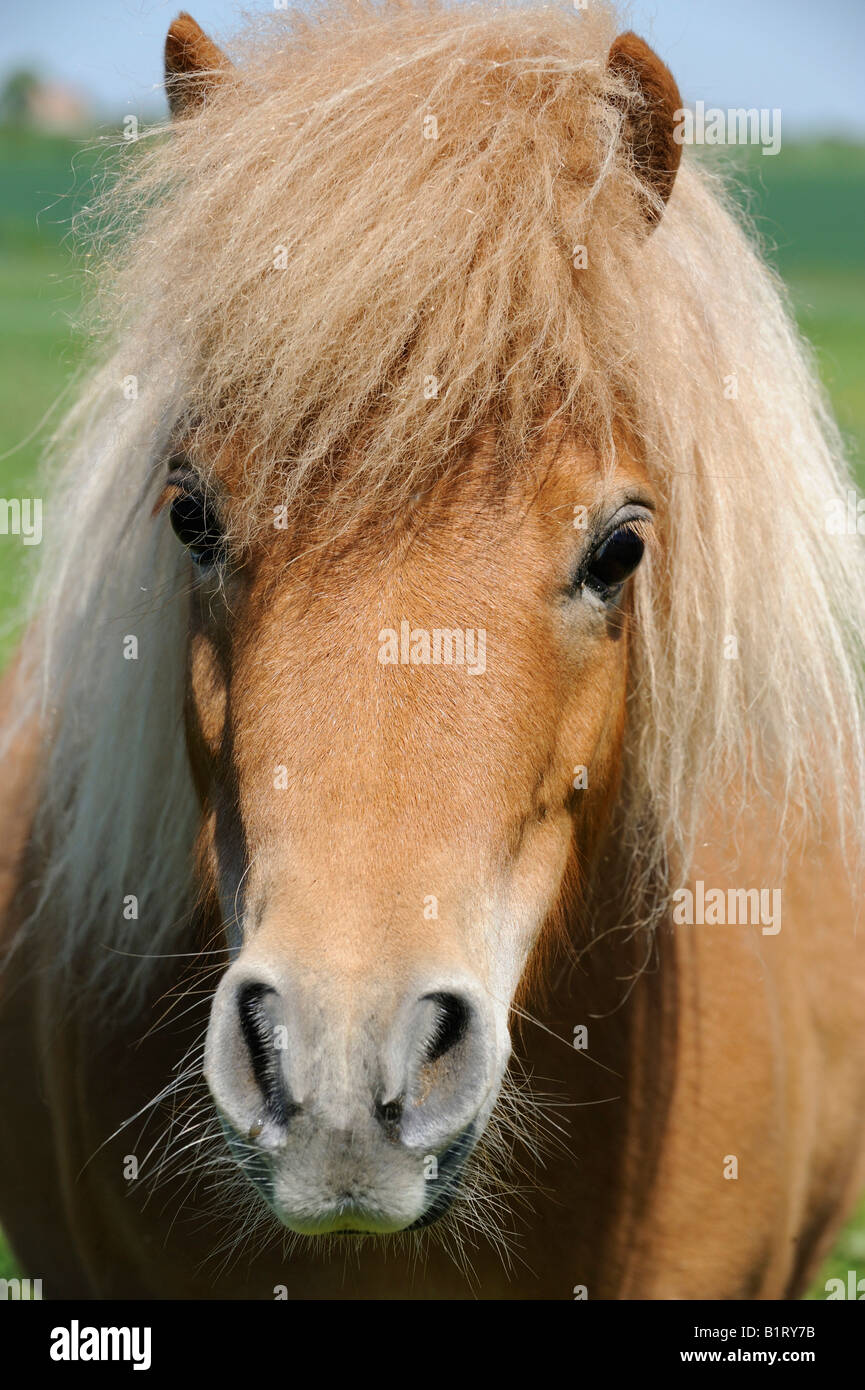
405 745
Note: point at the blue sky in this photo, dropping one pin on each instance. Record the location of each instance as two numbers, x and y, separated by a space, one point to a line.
805 57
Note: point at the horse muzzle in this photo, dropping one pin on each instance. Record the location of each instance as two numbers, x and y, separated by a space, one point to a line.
351 1114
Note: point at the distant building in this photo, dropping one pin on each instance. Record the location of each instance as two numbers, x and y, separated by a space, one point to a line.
43 104
59 109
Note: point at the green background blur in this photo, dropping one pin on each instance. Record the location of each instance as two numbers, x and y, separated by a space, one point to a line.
808 205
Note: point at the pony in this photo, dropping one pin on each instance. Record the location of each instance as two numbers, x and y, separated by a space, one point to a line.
433 790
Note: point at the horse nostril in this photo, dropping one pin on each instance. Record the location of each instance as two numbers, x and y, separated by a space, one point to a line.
448 1055
389 1114
451 1022
257 1006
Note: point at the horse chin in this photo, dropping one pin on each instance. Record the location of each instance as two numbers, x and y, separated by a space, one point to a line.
342 1216
344 1221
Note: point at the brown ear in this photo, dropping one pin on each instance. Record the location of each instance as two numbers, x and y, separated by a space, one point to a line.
193 65
650 121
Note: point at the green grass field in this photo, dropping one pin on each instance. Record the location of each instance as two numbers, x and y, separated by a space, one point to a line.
807 203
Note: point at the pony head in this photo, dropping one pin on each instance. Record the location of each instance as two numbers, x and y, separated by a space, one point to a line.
405 737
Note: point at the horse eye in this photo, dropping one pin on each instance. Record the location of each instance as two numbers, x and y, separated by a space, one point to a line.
195 523
614 561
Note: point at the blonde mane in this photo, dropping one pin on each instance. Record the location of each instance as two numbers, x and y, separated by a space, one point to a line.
373 197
